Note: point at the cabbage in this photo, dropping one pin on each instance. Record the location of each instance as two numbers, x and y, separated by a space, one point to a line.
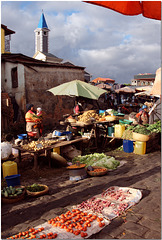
98 159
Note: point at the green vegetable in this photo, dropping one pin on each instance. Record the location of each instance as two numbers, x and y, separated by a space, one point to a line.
18 193
13 191
141 130
98 159
6 193
35 188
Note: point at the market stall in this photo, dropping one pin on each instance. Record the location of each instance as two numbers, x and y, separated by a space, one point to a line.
36 148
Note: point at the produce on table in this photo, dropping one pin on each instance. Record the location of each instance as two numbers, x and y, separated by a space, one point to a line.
76 222
35 188
38 145
141 130
156 127
11 192
99 160
87 116
146 129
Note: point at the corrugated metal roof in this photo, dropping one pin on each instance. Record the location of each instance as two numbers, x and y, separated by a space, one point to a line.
42 22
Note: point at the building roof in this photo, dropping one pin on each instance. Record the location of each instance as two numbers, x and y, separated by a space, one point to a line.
20 58
42 22
148 76
99 79
7 30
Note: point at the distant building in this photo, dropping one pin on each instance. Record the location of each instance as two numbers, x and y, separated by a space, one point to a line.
143 79
5 38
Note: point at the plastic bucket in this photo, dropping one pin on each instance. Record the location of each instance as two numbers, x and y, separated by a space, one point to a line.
140 148
13 180
9 168
128 146
110 131
119 129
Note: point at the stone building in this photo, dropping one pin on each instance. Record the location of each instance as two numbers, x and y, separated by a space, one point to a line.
28 80
143 79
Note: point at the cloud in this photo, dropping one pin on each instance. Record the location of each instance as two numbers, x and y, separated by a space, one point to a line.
107 43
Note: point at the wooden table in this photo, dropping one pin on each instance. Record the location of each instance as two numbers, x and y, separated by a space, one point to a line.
46 151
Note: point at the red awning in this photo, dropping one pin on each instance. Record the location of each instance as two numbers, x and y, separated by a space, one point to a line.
149 9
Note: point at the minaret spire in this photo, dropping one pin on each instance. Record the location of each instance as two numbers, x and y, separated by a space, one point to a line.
41 35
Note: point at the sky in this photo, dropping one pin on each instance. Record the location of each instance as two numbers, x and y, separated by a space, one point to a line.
108 44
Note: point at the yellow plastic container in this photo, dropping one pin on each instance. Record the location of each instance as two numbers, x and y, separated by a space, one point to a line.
140 148
56 150
119 129
9 168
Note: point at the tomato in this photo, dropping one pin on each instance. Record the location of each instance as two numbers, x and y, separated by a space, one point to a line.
100 224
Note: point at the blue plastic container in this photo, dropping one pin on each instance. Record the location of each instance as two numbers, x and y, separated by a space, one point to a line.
13 180
22 136
128 146
110 131
57 133
101 112
65 133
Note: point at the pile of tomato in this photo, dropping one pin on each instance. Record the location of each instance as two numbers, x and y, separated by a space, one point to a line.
31 234
76 222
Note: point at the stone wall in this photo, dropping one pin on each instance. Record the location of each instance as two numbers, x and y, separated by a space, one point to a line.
39 79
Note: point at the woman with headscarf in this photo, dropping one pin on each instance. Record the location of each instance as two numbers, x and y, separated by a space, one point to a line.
31 120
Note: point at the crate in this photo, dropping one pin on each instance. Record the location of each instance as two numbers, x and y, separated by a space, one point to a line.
125 121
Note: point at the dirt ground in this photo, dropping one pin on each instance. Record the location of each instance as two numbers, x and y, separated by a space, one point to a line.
140 171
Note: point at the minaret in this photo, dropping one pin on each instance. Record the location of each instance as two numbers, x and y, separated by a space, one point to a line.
41 35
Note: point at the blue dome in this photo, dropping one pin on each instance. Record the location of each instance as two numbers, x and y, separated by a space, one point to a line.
42 22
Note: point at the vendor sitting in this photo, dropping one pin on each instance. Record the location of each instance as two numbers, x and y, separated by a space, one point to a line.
31 120
78 107
143 116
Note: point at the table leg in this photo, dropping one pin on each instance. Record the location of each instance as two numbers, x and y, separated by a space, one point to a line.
19 157
35 161
48 155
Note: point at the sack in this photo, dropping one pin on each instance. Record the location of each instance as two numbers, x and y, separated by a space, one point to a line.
6 150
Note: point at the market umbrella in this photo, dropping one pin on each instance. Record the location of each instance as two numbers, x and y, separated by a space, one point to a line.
79 89
143 88
149 9
104 86
125 90
156 89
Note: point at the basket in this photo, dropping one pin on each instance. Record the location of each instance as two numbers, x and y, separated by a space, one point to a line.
95 174
14 199
37 194
140 137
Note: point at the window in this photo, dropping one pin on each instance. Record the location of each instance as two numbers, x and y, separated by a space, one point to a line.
45 33
14 77
38 33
